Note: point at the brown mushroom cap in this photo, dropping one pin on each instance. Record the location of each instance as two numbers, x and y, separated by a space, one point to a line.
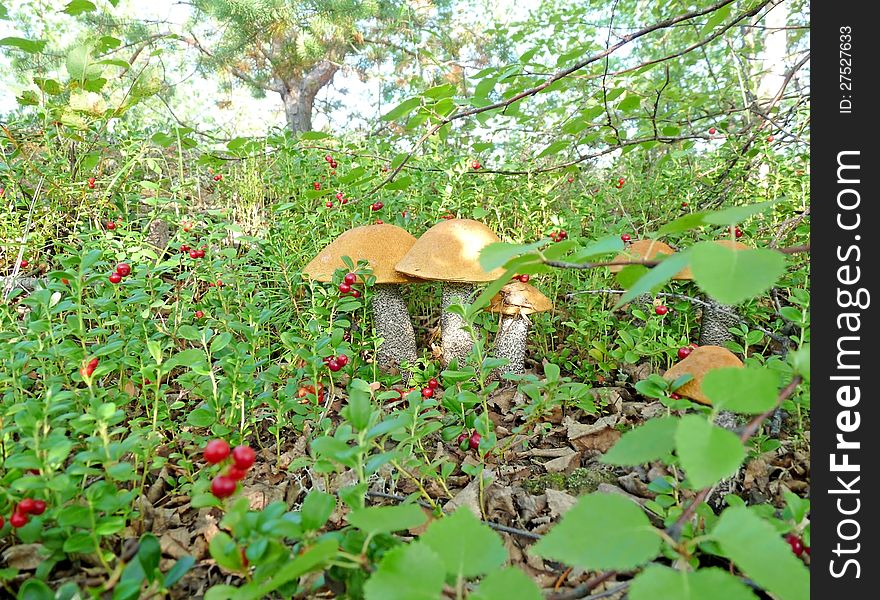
647 250
686 273
517 298
699 362
380 245
450 251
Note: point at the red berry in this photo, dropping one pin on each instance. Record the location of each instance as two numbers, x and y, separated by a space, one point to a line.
39 507
2 520
344 288
427 392
24 263
674 396
218 177
661 310
111 225
349 278
524 278
184 248
235 473
115 278
26 506
738 232
91 183
124 269
328 158
563 234
684 352
18 519
433 383
243 457
93 364
355 293
684 204
376 206
333 165
333 365
193 253
200 253
223 486
694 345
316 185
796 543
476 165
770 138
474 441
340 196
711 131
342 359
64 281
219 283
461 437
571 180
345 201
216 451
626 237
199 314
379 222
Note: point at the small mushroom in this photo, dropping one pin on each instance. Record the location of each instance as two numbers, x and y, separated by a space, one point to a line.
644 250
450 252
381 246
717 318
699 362
515 302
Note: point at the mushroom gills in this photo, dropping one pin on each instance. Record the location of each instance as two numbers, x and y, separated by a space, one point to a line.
456 340
510 343
392 323
717 319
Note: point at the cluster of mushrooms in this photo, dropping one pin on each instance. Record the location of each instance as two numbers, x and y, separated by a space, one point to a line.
448 252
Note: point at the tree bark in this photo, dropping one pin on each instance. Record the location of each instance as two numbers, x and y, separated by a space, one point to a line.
298 95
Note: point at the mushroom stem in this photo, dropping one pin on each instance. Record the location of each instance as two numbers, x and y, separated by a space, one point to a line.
392 323
456 339
715 322
510 343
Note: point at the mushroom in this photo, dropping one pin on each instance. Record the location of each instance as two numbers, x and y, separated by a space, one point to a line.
449 252
700 361
717 318
381 246
645 250
515 302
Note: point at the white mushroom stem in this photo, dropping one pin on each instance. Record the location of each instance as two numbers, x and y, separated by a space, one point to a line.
392 323
510 343
715 322
456 340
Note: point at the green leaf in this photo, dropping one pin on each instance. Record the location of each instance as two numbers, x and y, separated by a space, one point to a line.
29 46
748 390
653 440
316 509
402 109
707 452
510 583
498 254
490 290
658 582
409 572
631 102
312 559
733 276
756 547
81 65
605 245
611 532
178 570
386 519
148 554
656 276
78 7
34 589
483 551
554 148
737 214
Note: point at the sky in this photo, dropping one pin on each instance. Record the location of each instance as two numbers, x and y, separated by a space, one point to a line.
237 112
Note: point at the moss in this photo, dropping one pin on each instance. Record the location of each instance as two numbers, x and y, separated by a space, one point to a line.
581 481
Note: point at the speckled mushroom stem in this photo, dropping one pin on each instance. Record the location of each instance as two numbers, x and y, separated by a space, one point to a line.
510 343
715 322
456 340
392 322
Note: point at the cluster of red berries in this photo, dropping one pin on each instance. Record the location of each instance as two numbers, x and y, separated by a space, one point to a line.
685 351
335 363
620 183
524 278
26 507
345 287
91 183
797 544
376 206
447 216
558 236
218 177
317 185
331 161
111 225
475 165
473 440
626 237
193 252
122 270
243 457
429 389
89 368
219 283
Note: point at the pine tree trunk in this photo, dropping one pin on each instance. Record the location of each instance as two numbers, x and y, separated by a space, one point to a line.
299 95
